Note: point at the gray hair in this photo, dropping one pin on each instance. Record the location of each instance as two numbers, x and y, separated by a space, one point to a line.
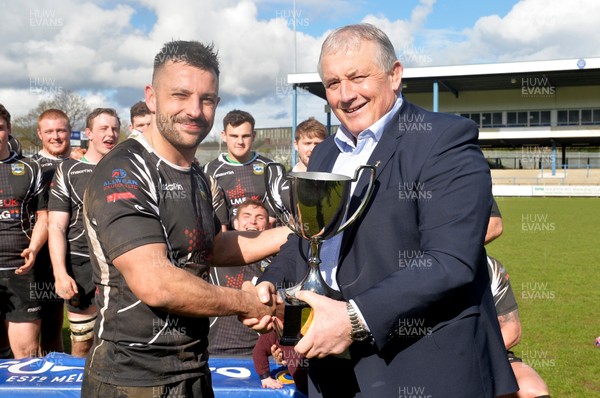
352 36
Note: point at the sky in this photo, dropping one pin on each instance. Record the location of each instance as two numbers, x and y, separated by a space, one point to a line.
103 49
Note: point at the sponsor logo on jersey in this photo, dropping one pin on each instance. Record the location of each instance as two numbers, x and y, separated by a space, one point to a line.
113 197
118 173
225 173
119 180
17 169
258 168
13 214
12 202
75 172
174 186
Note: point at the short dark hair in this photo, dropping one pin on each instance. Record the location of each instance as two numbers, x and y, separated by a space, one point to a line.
4 114
89 121
139 109
54 113
236 118
193 53
311 127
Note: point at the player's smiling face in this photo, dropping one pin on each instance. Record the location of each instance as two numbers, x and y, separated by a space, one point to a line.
55 135
104 133
358 90
251 218
184 99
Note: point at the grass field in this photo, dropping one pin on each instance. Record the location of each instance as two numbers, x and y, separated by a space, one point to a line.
550 247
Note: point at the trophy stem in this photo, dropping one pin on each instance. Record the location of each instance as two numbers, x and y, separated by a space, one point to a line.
315 252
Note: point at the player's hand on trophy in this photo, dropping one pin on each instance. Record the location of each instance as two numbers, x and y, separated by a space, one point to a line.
329 332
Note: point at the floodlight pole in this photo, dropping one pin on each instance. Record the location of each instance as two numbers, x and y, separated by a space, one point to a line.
435 95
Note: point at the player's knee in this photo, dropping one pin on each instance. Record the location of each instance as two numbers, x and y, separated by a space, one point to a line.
82 329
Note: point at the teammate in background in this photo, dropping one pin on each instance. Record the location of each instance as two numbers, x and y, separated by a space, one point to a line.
66 238
240 171
228 336
15 145
54 132
531 385
20 187
495 226
140 117
309 133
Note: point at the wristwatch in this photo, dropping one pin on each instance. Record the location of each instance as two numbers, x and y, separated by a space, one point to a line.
358 332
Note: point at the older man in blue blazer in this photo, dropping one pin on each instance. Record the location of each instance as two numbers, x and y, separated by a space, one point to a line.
418 318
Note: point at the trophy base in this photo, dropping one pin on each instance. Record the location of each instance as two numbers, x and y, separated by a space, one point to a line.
295 315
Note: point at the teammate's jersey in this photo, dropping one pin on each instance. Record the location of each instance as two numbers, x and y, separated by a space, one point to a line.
14 145
48 167
20 191
66 195
228 336
242 181
504 298
135 198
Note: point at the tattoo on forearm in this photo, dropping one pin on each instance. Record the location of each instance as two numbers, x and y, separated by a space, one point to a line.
508 318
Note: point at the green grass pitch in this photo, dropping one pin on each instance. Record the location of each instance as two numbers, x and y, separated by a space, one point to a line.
551 249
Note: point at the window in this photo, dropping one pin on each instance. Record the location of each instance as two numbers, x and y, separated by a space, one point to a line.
562 118
516 119
574 117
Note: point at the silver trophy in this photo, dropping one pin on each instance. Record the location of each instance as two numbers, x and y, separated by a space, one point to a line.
315 210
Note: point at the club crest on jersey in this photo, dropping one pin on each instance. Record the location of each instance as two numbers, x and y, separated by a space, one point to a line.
17 169
258 168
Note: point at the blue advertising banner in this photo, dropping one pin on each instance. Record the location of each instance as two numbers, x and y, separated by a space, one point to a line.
60 375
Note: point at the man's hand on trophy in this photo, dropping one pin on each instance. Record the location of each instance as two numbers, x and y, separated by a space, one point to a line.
267 297
329 333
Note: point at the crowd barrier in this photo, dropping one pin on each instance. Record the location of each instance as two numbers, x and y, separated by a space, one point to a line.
60 375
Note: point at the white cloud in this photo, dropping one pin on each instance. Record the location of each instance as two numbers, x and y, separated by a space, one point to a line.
532 30
91 47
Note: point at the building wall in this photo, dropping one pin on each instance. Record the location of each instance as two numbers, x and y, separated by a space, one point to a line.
526 98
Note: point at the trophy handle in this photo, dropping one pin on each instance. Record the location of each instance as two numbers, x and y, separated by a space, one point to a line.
278 207
365 199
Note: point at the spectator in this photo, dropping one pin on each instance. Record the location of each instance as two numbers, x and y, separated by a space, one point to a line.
297 364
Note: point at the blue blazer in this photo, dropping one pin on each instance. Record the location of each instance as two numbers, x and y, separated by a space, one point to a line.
415 265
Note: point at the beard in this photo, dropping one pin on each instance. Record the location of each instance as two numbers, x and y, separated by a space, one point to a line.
166 127
58 152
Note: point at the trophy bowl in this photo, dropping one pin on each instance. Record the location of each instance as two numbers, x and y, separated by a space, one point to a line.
314 206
